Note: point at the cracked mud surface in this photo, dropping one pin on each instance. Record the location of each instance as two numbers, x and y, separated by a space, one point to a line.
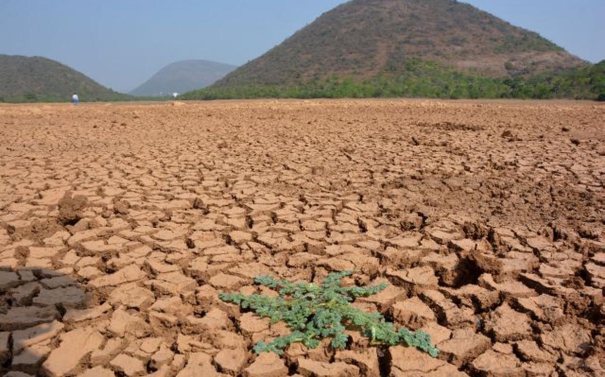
121 223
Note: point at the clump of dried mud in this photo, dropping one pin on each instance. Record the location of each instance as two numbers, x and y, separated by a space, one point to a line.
70 208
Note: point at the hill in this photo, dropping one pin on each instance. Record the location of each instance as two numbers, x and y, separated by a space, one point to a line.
409 44
365 38
30 79
183 76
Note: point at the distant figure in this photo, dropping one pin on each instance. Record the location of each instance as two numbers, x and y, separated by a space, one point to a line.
175 94
75 100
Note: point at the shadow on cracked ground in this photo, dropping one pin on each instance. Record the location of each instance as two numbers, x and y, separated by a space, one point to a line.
36 304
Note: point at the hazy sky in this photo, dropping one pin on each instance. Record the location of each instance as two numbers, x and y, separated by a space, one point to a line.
121 43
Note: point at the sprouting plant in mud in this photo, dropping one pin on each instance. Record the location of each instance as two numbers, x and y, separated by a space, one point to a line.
315 312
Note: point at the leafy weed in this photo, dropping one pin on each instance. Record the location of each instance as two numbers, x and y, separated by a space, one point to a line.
315 312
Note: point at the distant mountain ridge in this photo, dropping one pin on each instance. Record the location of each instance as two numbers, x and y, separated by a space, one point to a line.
362 39
183 76
36 78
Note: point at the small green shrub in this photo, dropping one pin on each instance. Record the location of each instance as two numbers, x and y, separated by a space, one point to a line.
30 97
315 312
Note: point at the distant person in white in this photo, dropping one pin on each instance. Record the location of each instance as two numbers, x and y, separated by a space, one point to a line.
75 99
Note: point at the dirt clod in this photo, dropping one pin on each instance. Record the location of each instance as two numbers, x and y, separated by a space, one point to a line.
70 208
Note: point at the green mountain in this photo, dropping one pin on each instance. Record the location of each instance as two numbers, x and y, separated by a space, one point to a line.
426 48
366 38
183 76
31 79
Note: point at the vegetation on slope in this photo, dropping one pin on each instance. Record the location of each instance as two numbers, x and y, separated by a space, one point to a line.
583 83
37 79
368 39
428 80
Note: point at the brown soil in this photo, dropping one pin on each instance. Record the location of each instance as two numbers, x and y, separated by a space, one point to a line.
487 218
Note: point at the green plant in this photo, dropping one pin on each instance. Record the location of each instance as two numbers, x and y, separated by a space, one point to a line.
428 80
315 312
30 97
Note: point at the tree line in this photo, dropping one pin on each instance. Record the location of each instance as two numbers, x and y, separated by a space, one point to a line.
428 80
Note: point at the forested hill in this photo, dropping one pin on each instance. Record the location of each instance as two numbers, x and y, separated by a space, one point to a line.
364 39
30 79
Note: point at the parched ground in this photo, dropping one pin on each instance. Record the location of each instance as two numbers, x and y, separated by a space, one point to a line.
121 223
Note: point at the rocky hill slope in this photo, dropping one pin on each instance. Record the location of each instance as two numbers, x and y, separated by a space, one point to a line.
362 39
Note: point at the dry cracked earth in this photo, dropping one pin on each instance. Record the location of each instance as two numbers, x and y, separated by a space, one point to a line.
121 223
